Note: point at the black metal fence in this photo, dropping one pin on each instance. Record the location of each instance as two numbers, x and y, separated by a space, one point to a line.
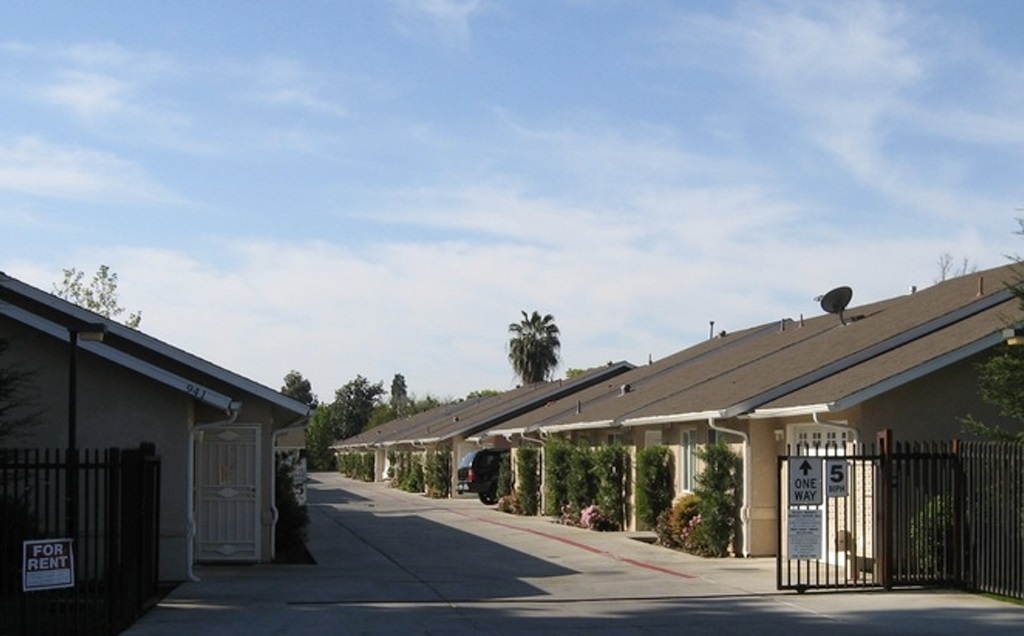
114 519
942 514
992 518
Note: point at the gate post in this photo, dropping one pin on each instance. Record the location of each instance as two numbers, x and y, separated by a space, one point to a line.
885 509
959 554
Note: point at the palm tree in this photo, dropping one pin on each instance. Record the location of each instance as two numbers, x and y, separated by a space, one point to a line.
533 347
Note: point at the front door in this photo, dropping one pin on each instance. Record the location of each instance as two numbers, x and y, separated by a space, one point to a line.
227 494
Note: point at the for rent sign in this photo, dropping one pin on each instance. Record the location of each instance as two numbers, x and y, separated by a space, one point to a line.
47 564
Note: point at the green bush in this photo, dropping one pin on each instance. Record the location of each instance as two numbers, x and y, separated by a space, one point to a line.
611 470
505 480
718 487
357 465
557 464
292 517
581 480
676 525
408 470
654 486
931 535
528 485
438 472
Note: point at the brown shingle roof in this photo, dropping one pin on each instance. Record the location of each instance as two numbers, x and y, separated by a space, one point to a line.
472 416
790 364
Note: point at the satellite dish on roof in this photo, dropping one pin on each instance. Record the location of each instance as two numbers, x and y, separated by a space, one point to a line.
835 301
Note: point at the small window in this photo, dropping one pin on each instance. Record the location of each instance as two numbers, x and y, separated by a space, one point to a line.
652 438
688 460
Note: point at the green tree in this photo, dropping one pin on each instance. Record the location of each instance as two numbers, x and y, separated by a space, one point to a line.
16 400
472 395
534 347
299 388
999 382
99 295
399 395
1001 376
353 404
321 432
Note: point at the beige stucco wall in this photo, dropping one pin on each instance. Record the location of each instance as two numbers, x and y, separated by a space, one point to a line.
118 407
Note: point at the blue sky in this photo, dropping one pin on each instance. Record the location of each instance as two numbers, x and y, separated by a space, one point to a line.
381 187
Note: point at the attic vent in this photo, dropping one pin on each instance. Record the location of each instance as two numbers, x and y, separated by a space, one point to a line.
624 389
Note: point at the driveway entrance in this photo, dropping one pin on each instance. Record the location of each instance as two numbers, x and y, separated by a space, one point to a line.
393 563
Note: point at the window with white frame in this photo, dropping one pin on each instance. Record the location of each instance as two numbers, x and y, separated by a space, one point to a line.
815 439
688 460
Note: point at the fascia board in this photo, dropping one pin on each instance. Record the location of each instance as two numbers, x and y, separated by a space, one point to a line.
577 426
649 420
21 295
195 389
790 411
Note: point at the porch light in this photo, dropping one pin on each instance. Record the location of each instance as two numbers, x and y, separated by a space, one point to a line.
1014 335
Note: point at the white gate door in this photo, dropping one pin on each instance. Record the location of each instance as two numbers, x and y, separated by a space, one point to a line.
227 494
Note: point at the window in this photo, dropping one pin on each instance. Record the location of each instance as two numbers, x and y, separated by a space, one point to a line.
652 438
688 460
814 439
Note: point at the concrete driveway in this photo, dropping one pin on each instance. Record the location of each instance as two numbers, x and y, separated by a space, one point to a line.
389 562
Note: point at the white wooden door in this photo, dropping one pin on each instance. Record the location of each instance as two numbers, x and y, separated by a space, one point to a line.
227 494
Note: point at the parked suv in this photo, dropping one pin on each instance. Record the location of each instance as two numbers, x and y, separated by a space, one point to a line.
478 472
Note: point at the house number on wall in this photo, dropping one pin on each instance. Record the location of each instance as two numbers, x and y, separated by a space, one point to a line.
196 391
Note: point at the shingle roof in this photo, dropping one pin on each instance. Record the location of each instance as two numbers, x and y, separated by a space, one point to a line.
471 416
180 369
812 363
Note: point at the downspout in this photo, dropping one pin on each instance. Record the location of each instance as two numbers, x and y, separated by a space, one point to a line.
745 508
274 514
233 410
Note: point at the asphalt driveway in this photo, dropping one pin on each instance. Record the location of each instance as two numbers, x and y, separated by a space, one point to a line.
389 562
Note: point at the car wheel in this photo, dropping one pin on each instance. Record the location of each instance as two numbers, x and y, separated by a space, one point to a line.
488 498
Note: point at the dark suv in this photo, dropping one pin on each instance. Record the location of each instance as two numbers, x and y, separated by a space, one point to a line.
478 472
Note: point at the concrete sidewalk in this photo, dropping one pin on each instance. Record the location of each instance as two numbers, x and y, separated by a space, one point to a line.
391 562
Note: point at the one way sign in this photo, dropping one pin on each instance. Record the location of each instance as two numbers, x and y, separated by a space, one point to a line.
805 485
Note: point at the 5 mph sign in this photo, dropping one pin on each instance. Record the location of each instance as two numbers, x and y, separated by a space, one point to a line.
47 565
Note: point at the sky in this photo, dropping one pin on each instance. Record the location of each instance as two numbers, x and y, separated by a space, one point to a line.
381 187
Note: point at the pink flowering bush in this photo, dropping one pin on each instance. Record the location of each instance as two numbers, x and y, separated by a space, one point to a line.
592 518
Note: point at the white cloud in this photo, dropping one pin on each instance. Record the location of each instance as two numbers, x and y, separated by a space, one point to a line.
36 167
449 19
282 82
90 95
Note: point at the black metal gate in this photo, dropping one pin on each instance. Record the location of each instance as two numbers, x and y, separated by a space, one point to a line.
900 514
114 543
828 534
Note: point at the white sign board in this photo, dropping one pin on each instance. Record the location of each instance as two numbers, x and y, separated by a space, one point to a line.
805 486
836 478
803 534
47 564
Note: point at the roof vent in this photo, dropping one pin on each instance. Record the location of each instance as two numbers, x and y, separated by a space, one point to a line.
836 301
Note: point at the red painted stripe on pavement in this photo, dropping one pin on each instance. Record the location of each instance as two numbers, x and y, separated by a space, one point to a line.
581 546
